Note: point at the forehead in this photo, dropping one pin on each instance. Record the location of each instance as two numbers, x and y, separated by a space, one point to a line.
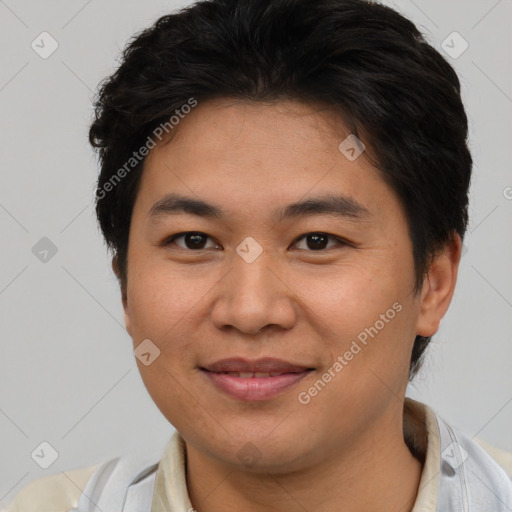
254 154
236 123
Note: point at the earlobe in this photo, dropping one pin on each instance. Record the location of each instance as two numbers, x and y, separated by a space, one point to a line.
127 322
124 299
124 295
438 287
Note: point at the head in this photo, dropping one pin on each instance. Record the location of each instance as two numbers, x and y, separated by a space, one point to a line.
253 107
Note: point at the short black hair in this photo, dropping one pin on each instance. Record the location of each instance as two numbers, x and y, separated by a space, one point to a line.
394 91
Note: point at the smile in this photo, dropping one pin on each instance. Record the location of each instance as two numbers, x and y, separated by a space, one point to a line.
254 386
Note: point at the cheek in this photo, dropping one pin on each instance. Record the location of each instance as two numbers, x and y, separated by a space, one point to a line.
368 325
171 391
161 301
349 299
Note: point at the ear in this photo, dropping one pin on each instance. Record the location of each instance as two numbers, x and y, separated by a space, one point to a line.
438 287
124 296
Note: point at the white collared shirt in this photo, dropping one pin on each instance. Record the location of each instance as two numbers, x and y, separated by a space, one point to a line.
457 475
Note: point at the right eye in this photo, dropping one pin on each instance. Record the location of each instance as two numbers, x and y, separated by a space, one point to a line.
193 240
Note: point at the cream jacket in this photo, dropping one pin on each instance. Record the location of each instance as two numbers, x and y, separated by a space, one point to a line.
458 475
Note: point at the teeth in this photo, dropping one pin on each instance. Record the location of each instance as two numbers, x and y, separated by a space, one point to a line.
248 375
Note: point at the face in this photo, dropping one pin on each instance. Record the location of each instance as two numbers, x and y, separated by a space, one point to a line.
327 288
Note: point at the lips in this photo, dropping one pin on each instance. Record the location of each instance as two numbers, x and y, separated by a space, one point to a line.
250 375
266 365
254 380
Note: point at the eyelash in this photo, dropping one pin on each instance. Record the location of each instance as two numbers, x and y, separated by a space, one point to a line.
341 242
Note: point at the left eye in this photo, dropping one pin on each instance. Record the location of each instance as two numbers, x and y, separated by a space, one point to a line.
318 241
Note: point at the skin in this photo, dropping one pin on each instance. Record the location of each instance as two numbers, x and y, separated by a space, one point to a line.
344 450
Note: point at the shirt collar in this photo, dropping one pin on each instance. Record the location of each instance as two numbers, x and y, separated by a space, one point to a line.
421 433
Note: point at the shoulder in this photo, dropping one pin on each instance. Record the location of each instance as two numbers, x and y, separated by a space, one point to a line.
58 493
69 491
502 457
424 419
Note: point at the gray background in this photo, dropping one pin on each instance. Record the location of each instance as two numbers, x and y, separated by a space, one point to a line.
68 374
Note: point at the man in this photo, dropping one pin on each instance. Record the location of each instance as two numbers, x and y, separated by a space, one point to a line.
284 187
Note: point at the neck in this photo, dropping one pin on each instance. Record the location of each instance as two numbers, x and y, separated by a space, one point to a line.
378 472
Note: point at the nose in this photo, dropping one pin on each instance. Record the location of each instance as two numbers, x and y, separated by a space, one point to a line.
254 296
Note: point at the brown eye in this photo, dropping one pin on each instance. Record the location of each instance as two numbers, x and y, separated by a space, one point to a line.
318 241
193 240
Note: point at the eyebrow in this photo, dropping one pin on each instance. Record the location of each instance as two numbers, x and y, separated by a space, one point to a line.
329 204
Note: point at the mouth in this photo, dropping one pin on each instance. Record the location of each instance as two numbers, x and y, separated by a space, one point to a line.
254 381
